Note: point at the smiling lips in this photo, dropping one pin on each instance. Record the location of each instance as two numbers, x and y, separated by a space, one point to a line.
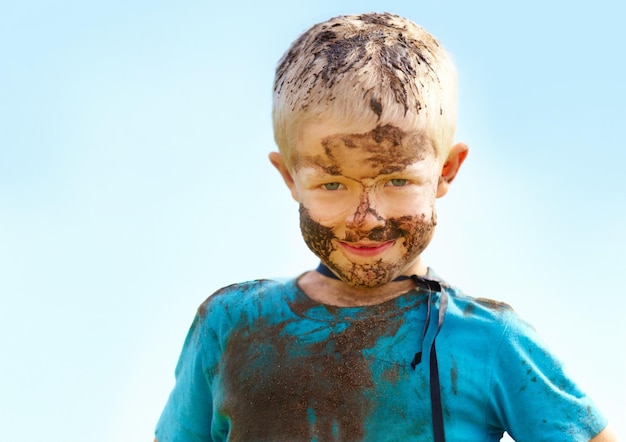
366 249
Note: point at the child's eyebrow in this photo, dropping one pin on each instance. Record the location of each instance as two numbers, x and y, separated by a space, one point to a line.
319 164
317 169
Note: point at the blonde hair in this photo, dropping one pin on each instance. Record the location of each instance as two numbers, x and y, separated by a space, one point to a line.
366 70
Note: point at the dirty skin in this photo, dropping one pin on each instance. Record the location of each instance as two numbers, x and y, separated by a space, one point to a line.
383 150
415 232
387 148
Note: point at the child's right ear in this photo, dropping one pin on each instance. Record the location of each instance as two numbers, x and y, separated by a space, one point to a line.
277 161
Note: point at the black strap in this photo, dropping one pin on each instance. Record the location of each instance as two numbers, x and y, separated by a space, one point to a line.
435 398
435 387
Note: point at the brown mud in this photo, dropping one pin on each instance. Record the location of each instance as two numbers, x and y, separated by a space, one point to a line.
334 53
386 149
414 231
281 387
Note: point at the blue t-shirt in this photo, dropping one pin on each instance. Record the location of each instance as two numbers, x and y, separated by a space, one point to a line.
264 362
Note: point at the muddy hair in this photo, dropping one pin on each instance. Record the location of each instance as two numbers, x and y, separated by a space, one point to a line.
366 70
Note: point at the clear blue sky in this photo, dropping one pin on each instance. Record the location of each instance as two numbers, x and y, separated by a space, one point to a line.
134 182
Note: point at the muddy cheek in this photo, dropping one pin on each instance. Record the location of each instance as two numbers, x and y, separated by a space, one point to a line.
418 233
317 237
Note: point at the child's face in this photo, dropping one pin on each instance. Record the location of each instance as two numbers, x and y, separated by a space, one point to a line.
367 199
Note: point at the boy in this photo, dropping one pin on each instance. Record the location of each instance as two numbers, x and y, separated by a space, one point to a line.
372 345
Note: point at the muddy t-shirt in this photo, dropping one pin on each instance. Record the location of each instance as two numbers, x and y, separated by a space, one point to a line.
263 362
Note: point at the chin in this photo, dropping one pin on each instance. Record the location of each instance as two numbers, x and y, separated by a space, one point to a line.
365 275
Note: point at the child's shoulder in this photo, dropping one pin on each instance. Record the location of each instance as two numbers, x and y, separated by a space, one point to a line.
467 306
483 324
246 295
488 320
473 310
470 305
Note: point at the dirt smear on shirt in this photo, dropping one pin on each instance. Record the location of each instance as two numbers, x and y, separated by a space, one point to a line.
282 387
490 304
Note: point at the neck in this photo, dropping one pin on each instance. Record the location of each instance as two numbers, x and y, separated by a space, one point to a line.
330 291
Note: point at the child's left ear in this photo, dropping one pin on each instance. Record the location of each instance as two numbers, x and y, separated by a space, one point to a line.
451 167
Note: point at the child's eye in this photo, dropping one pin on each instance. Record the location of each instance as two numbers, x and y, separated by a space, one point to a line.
331 186
398 182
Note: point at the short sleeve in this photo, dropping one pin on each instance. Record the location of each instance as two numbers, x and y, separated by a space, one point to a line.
532 396
188 412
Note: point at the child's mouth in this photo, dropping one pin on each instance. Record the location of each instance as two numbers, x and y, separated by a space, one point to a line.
366 249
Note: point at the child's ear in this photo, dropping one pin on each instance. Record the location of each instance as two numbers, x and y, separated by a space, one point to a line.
451 167
277 161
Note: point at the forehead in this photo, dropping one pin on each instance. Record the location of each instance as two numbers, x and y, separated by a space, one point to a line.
381 150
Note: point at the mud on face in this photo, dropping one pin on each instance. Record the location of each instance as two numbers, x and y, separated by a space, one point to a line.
383 150
414 232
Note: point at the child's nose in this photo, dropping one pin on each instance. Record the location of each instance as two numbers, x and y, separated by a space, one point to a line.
366 215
